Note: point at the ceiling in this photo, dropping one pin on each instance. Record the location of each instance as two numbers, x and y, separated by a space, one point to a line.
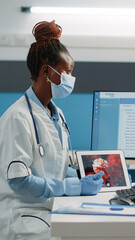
92 31
14 21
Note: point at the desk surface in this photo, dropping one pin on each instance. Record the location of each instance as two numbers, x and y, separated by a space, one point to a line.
95 227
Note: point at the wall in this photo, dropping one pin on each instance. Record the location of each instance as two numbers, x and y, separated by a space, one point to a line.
90 76
118 76
77 109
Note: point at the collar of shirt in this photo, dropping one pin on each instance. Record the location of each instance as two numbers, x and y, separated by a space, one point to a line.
33 97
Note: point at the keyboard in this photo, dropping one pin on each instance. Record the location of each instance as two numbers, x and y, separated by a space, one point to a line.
127 194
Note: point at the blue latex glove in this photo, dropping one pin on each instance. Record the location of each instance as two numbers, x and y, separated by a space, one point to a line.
130 178
91 184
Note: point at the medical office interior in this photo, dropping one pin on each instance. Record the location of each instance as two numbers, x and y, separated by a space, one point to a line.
101 42
100 36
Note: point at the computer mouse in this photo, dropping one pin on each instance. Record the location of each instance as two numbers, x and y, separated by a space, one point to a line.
121 201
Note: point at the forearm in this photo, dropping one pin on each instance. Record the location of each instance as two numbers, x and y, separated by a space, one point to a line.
45 187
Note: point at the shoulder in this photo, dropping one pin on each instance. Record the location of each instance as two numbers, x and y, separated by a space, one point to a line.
17 110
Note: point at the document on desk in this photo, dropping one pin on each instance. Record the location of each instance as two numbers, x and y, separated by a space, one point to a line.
97 209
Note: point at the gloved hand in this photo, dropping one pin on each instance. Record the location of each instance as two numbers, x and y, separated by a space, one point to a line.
91 184
130 178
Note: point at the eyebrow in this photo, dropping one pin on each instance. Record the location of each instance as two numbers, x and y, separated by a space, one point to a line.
72 65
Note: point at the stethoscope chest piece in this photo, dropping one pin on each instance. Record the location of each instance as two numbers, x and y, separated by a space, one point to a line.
41 150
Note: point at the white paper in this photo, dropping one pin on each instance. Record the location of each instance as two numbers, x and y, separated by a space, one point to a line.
95 209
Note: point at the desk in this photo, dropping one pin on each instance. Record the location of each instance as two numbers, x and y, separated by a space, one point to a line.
84 227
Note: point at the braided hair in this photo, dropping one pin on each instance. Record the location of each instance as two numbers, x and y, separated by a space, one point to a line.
46 49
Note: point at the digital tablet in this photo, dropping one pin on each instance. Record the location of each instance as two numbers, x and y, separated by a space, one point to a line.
111 162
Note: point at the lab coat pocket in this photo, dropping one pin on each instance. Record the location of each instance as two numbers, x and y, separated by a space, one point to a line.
34 224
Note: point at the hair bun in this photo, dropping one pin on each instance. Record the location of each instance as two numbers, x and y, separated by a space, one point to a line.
46 31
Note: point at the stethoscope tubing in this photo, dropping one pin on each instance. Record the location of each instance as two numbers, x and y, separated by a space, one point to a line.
33 119
65 124
41 148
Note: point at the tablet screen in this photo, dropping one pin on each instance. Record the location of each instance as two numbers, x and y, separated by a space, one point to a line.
112 164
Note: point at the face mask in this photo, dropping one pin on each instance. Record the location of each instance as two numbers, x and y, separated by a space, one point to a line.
65 87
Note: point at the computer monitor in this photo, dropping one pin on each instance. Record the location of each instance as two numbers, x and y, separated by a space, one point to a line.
114 122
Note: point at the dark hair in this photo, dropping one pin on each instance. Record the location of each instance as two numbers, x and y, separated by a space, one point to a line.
46 49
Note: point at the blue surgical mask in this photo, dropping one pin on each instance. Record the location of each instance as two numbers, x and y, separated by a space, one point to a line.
65 87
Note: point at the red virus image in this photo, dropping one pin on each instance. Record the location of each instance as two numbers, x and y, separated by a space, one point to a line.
111 166
102 165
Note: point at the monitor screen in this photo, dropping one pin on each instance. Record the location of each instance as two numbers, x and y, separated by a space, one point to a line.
114 122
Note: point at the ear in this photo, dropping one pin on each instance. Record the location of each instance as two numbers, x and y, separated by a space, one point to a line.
44 69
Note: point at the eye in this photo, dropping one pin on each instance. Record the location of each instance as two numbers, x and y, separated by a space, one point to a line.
69 71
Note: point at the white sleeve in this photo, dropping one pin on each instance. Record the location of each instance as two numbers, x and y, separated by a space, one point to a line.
17 169
16 139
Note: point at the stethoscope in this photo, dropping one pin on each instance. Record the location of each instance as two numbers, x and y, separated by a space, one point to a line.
40 146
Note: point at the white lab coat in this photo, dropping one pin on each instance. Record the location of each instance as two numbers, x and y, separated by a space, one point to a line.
24 217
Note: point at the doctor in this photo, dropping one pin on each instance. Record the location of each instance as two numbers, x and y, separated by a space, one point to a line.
34 143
